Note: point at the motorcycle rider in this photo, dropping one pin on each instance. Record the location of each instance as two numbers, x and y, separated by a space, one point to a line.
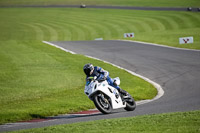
101 74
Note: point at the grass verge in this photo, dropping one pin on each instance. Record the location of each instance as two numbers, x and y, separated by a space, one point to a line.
182 122
51 24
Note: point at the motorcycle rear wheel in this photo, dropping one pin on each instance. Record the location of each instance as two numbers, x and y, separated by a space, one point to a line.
102 103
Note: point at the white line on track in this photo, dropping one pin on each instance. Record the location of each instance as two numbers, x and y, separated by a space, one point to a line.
157 86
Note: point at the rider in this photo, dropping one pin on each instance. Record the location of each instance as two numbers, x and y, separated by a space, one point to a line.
101 74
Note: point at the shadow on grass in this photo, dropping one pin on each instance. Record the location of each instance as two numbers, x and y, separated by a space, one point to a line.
37 116
40 118
71 116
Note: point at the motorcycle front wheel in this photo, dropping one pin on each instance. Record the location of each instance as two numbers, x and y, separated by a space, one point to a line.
130 104
102 103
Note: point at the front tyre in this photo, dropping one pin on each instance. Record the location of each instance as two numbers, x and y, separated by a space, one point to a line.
102 103
130 104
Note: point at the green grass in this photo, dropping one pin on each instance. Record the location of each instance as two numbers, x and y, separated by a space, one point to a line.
148 3
162 27
182 122
38 80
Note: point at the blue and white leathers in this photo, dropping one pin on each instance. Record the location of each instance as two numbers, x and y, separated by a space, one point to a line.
101 73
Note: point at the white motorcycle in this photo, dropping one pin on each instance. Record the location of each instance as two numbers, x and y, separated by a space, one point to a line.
106 98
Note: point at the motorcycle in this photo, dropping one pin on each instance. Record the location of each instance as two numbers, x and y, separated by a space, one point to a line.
105 97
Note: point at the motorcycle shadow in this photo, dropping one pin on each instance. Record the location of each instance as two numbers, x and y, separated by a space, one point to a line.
85 114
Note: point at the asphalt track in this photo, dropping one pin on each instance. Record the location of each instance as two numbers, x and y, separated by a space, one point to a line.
176 70
194 9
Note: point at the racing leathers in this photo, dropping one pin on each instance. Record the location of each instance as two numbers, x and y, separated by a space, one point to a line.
102 74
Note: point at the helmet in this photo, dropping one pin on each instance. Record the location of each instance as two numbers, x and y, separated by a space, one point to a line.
88 68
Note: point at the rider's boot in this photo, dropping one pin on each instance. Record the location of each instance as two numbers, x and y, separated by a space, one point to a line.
123 92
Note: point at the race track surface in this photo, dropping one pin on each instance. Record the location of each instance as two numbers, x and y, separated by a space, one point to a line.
194 9
176 70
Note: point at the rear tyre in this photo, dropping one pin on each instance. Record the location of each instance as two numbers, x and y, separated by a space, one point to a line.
102 103
130 104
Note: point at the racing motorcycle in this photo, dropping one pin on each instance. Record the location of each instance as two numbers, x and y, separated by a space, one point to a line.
105 97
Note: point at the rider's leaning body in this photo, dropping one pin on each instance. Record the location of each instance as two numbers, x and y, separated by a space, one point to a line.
100 73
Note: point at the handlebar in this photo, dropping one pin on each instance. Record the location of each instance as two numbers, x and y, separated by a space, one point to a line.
100 79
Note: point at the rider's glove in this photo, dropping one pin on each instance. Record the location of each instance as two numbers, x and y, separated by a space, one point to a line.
101 78
104 78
